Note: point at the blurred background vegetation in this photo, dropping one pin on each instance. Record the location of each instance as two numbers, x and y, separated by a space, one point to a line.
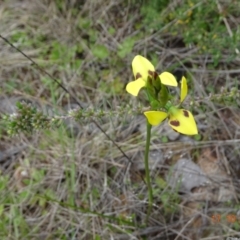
60 185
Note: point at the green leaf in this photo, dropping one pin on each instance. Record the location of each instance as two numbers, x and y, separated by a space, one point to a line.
100 51
126 47
161 183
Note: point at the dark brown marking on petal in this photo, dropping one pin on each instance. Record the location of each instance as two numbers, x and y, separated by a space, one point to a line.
155 75
186 114
138 75
151 73
175 123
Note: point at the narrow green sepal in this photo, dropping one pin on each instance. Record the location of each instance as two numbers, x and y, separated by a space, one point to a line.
155 105
151 91
163 95
156 82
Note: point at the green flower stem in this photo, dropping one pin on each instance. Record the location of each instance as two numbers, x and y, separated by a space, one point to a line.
147 172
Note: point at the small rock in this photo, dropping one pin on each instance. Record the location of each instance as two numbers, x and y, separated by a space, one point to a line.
186 175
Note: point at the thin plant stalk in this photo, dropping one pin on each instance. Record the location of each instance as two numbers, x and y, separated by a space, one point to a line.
147 172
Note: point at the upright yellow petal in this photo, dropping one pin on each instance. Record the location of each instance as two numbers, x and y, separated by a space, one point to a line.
182 121
184 89
155 117
168 79
141 67
135 86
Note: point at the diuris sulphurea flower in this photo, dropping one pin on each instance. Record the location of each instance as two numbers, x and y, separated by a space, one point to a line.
181 120
144 71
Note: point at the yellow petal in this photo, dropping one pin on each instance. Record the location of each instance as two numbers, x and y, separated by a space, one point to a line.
135 86
141 67
168 79
155 117
182 121
184 89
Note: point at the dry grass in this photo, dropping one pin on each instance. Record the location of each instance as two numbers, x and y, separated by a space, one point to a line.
55 186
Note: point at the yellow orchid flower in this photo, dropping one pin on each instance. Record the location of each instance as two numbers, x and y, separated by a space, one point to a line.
142 70
180 120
